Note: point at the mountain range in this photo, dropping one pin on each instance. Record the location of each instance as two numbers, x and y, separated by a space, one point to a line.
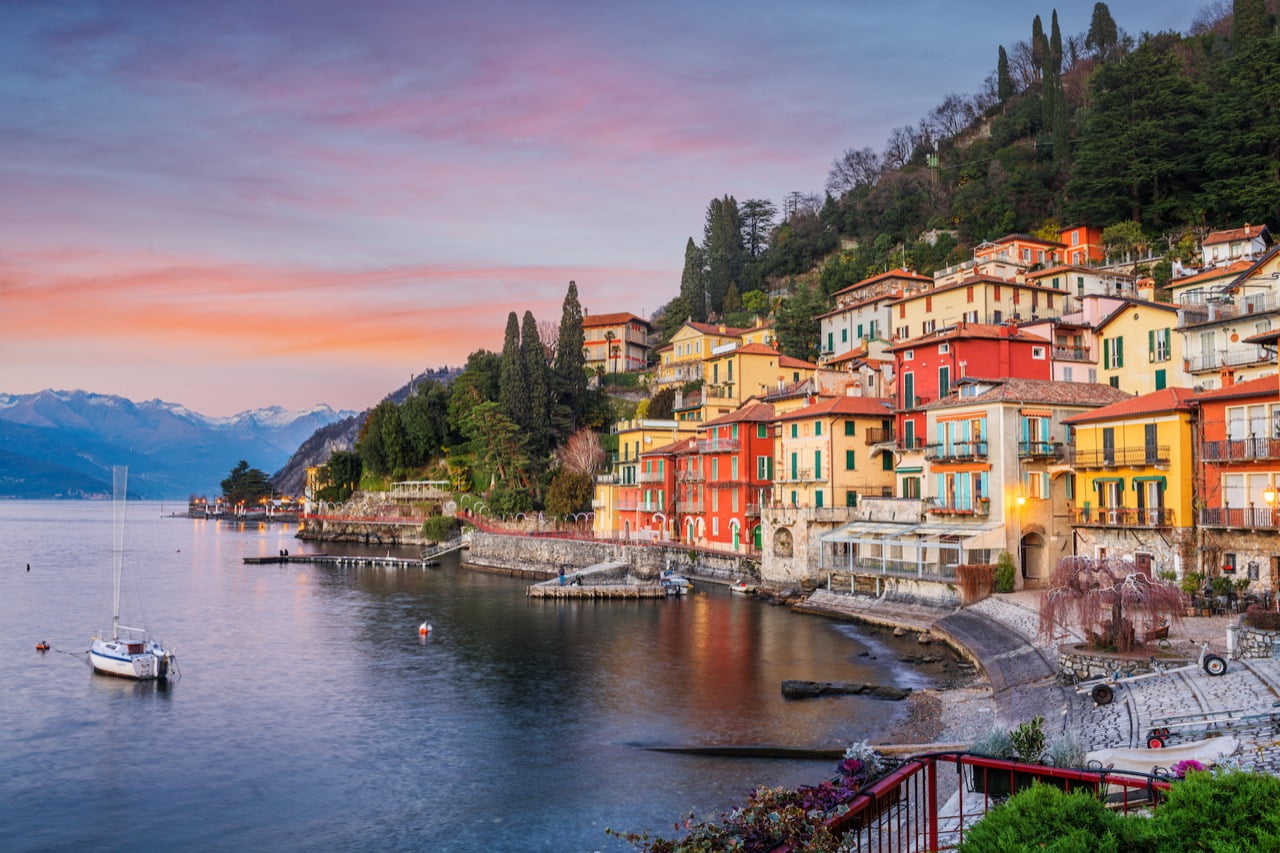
62 444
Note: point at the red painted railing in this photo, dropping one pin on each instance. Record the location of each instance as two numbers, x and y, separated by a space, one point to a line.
930 801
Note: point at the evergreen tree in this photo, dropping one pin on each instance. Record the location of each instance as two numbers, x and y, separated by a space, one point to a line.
1004 82
722 249
245 485
693 284
757 222
570 379
1038 44
425 415
1249 22
1243 139
798 325
513 389
534 358
1103 38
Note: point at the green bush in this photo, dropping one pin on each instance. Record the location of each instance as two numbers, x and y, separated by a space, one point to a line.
1233 810
1043 818
1004 572
438 528
1028 740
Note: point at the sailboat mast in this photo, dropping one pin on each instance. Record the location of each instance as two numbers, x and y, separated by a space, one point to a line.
120 489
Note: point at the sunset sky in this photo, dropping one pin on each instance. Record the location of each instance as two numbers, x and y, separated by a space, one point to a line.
242 203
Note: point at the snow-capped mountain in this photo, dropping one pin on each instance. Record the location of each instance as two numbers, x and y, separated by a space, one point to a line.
63 444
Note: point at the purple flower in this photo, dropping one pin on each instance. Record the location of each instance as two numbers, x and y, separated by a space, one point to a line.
1185 766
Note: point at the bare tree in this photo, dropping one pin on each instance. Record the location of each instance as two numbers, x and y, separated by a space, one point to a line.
1213 17
1023 66
855 168
549 334
582 453
952 116
899 147
1109 600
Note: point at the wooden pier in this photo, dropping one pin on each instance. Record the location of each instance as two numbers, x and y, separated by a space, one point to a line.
344 560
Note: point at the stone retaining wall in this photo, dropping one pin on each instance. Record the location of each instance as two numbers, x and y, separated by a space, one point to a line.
1255 643
1075 665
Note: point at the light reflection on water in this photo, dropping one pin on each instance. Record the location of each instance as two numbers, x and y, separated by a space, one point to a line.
311 715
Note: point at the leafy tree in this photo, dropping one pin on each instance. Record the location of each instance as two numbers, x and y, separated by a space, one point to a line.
498 444
1123 239
341 475
245 485
798 326
569 380
425 417
538 391
670 317
755 303
757 222
569 492
722 249
1103 38
371 444
582 453
1039 45
478 383
661 405
693 285
513 388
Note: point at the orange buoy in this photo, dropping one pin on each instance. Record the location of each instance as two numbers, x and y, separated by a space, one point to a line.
42 646
424 629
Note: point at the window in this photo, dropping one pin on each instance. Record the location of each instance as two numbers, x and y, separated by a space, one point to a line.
886 461
995 292
1036 485
817 427
1158 344
944 381
762 430
764 467
733 431
943 349
817 498
997 317
1114 381
1080 285
795 430
928 303
850 498
909 355
715 468
848 427
733 468
817 464
929 326
830 344
1113 352
911 487
794 502
1066 374
902 332
1162 381
715 525
733 500
1037 353
970 316
848 460
844 336
969 293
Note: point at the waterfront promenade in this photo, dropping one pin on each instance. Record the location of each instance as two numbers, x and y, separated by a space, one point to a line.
1000 635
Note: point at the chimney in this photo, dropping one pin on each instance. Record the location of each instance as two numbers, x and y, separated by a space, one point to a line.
1228 377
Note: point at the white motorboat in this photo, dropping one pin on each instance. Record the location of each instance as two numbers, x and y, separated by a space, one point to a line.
126 652
675 584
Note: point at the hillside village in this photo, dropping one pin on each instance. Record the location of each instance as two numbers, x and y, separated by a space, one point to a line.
1031 401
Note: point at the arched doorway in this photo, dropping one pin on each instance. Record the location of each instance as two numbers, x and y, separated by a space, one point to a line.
735 527
1031 557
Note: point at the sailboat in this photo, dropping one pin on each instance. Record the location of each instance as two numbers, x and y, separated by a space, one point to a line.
126 652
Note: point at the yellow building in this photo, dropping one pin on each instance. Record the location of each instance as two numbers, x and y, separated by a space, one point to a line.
680 361
1139 348
1131 493
823 453
733 374
619 492
978 299
615 343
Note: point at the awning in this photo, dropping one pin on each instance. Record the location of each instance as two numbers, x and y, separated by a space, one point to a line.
914 469
872 532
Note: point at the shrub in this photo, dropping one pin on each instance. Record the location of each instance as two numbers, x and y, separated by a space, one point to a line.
996 743
1192 582
1028 740
1004 572
438 528
1066 750
1235 810
1264 620
1043 818
976 581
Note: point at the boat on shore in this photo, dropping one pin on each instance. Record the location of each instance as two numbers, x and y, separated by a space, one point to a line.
744 588
126 652
674 584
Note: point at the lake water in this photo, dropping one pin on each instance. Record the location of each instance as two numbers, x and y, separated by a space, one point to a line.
311 716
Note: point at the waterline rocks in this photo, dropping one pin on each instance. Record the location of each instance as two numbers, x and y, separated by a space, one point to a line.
810 689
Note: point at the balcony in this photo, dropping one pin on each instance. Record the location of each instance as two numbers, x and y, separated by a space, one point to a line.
1072 354
878 435
627 504
1236 357
753 510
717 445
689 506
1211 308
1123 517
1152 454
956 451
978 507
606 479
905 445
693 475
1041 450
649 477
1247 518
1242 449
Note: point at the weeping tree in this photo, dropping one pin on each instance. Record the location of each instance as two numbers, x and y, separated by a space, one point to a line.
1108 600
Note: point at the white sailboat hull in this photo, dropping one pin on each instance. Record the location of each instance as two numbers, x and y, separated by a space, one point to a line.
130 659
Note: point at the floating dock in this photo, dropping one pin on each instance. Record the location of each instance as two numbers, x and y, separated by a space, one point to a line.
343 560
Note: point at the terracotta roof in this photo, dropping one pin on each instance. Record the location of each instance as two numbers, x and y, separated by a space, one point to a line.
898 273
1042 391
617 319
970 330
1025 238
750 349
1263 385
1157 402
753 412
870 406
981 279
856 352
788 361
861 303
1133 303
671 449
1077 268
1248 232
712 329
1231 269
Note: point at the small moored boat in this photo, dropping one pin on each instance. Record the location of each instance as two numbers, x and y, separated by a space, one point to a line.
675 584
743 588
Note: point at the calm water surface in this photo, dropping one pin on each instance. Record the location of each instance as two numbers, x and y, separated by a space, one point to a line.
311 716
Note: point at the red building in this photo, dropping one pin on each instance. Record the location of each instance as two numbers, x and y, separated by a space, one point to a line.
1239 448
656 488
925 368
728 478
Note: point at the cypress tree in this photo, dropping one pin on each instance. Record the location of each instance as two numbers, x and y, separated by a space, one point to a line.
1103 37
533 357
1004 80
1249 22
1037 44
693 282
512 388
569 381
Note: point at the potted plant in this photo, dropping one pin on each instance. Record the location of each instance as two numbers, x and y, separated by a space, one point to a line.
995 743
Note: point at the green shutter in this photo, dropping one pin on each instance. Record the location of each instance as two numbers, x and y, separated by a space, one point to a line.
848 460
1151 345
1106 352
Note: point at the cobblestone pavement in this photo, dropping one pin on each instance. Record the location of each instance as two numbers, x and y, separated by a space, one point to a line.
1004 628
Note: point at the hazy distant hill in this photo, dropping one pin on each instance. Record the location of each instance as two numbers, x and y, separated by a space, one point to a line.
62 444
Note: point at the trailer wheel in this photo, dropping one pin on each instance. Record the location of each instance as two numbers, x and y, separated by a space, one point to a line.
1155 742
1214 665
1102 695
